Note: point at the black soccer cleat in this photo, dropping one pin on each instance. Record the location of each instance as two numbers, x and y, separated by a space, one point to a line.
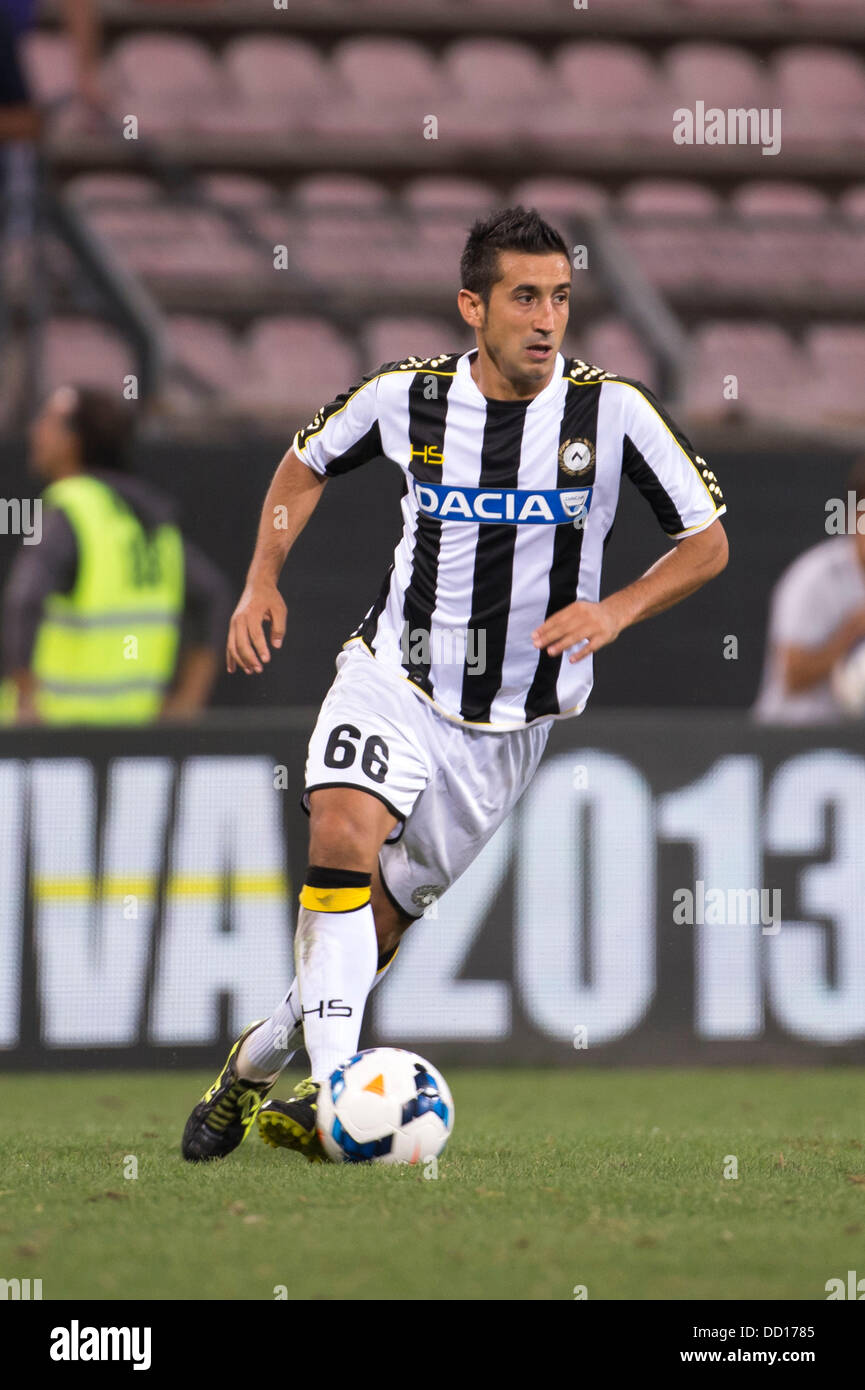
225 1114
291 1124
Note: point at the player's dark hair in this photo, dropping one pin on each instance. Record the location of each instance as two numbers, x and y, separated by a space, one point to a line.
508 229
104 426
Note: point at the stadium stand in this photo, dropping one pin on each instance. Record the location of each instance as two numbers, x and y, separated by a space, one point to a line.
301 182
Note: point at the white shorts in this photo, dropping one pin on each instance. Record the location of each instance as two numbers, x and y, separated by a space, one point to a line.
450 787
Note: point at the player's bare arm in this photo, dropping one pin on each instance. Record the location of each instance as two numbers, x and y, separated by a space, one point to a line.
291 499
673 577
805 667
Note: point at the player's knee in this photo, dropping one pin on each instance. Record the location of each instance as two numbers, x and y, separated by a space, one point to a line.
339 839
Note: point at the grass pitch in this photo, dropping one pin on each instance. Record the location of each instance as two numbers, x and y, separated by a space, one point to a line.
609 1179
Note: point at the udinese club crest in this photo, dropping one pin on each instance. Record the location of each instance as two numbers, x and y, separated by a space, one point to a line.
577 459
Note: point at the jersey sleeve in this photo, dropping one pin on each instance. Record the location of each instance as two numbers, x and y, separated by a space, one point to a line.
659 459
344 433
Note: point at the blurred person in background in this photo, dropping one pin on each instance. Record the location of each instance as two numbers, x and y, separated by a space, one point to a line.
17 17
812 672
113 617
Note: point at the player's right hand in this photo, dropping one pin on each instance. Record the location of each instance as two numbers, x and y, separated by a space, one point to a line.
247 644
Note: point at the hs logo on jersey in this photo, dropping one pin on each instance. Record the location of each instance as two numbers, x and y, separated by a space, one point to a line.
430 454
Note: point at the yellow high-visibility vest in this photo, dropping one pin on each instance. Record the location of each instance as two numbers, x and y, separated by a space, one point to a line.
106 652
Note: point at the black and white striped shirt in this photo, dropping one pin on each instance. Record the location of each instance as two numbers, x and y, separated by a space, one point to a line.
506 509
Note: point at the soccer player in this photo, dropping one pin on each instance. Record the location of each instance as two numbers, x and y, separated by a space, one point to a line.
483 633
817 618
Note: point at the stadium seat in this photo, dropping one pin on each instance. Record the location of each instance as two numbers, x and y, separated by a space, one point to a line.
852 203
842 8
208 349
449 195
669 198
86 352
558 198
598 73
773 8
440 210
602 90
769 372
800 202
822 94
325 192
517 5
813 76
391 339
293 365
479 71
851 206
170 82
612 344
381 87
670 226
829 343
237 191
363 258
793 243
272 84
644 7
768 247
89 190
836 357
717 74
339 228
172 240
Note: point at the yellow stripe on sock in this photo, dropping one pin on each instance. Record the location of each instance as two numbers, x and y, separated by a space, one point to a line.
333 899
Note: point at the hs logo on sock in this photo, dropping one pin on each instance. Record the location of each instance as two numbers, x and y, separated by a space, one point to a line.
330 1008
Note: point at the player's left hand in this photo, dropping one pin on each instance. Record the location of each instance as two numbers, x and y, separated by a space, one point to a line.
593 624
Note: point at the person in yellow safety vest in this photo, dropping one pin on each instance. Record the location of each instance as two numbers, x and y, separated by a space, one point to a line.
113 617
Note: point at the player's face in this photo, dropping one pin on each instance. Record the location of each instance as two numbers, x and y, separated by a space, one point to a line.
53 445
522 327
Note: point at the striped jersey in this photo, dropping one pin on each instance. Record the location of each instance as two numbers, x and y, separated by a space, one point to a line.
506 508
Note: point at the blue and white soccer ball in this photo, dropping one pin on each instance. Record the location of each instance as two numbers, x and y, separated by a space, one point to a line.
384 1105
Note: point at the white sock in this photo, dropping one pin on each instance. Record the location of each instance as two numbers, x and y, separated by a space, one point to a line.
273 1044
335 954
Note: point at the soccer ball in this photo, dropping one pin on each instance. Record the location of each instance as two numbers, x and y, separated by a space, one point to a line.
384 1105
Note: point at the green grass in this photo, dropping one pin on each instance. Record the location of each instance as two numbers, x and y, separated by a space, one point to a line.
610 1179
